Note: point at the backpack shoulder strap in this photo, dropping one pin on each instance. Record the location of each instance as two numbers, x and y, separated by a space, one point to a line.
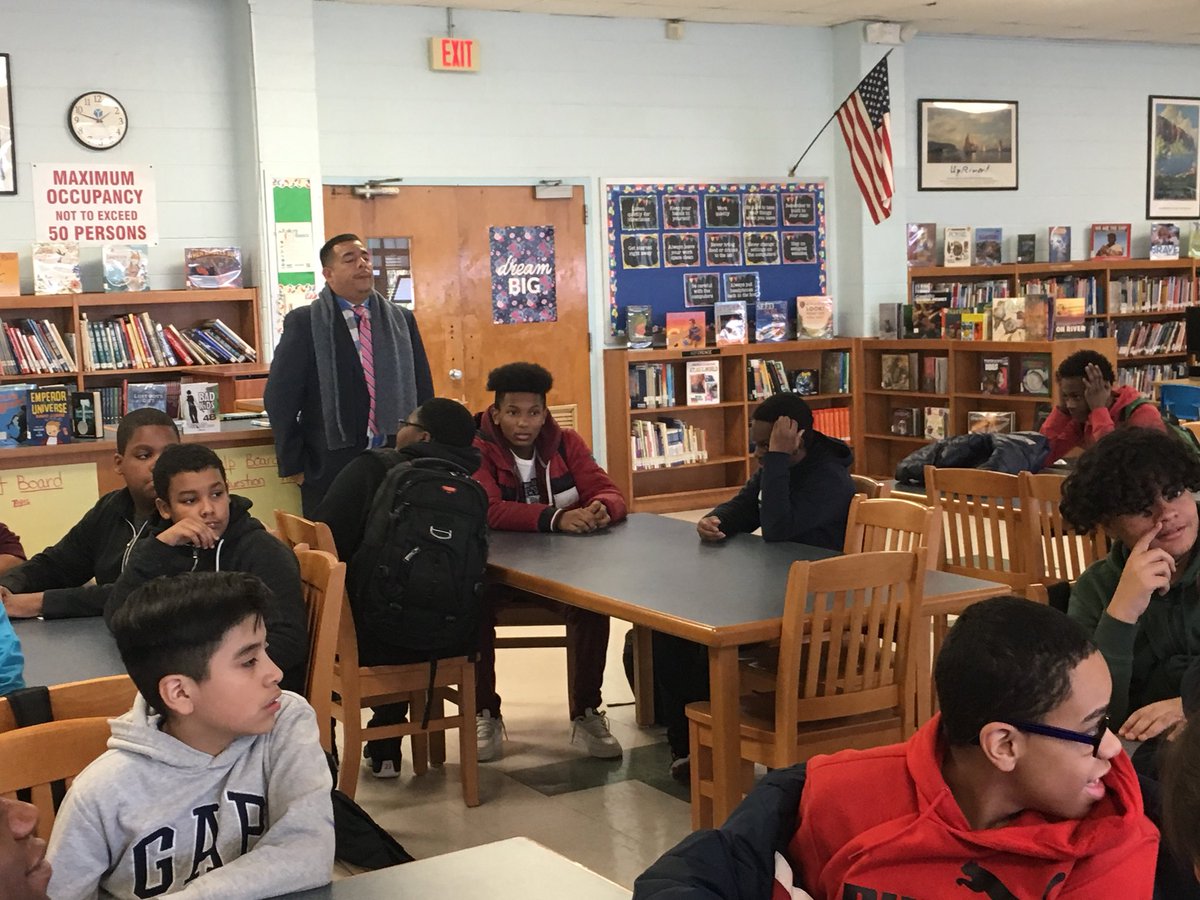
1127 410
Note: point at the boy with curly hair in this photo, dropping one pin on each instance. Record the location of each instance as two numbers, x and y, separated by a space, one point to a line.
1141 604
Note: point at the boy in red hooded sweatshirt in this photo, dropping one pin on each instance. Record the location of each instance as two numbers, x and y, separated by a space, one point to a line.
1016 789
541 477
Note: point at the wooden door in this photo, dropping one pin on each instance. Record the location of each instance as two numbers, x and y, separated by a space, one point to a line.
449 228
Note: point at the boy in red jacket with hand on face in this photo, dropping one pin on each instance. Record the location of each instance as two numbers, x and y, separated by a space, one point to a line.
541 477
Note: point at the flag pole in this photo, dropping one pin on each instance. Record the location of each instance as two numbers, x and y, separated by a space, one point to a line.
792 170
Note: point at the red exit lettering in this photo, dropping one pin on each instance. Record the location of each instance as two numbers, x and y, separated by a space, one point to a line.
452 54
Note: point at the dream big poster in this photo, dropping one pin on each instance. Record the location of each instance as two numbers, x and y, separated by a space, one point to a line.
522 258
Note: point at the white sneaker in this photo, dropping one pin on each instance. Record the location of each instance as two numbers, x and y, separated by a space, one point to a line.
489 736
593 727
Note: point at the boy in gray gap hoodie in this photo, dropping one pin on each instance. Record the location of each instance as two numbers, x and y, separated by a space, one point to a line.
214 784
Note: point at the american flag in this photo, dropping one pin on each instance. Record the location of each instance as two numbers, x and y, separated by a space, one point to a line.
865 119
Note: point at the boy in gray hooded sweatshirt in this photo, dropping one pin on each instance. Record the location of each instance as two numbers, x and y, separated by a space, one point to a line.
214 784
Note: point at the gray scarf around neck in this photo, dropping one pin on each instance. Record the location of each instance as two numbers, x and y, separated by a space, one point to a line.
395 375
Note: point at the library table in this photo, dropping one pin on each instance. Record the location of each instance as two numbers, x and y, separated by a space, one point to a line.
655 572
516 869
63 650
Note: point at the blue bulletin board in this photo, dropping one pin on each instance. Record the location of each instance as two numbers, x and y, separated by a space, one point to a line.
679 246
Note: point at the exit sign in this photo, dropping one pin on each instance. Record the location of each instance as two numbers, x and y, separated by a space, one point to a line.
453 55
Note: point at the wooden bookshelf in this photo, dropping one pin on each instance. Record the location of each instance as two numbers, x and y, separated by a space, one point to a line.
726 424
878 450
236 307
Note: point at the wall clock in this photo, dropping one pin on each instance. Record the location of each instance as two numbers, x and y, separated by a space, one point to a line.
97 120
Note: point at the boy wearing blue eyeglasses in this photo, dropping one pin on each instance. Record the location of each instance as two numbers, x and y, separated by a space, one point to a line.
1017 788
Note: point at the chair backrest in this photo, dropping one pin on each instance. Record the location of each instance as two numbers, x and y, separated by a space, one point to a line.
35 757
294 529
565 414
1055 551
869 486
324 582
981 534
106 698
848 624
890 523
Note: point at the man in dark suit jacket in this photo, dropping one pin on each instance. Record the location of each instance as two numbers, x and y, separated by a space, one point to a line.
323 409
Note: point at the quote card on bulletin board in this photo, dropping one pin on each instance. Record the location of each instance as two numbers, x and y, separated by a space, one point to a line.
41 504
677 246
253 473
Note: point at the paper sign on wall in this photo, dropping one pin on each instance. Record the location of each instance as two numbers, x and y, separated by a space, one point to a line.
253 473
522 258
94 204
42 503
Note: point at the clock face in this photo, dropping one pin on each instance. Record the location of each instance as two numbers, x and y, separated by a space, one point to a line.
97 120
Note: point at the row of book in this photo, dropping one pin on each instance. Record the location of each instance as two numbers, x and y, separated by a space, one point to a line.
1143 377
932 422
833 421
135 341
689 330
666 442
962 294
30 347
1033 317
1150 338
964 245
1145 293
652 385
126 267
1127 294
911 372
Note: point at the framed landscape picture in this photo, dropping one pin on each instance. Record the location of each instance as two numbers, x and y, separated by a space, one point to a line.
967 145
8 172
1172 185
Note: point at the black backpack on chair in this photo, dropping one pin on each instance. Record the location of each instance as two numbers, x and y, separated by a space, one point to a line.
416 582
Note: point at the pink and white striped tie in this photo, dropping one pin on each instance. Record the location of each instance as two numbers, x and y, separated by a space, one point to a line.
368 362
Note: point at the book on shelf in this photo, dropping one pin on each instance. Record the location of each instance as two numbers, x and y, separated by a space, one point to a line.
1026 248
835 372
638 327
685 330
160 395
833 421
126 267
729 321
897 371
770 321
974 326
31 347
890 319
1008 319
1035 374
993 375
806 381
1069 321
935 374
666 442
56 268
50 415
10 275
87 419
1164 240
989 243
922 243
906 421
814 317
766 378
991 422
14 413
935 422
957 241
651 385
927 314
704 382
1059 239
952 324
1148 338
1037 317
1110 241
136 341
213 267
199 407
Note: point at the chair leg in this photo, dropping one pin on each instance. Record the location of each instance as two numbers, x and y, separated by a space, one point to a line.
700 763
437 739
570 672
353 746
468 750
420 740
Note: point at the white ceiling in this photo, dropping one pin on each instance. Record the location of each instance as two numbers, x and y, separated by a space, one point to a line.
1157 21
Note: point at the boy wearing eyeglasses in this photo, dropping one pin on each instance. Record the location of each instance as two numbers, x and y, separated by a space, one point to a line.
1141 604
1016 788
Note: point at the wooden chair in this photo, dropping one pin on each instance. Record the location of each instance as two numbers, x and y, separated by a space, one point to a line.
1055 551
843 672
295 530
889 523
981 530
35 757
106 698
869 486
323 580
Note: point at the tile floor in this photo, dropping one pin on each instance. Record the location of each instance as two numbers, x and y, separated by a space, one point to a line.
613 816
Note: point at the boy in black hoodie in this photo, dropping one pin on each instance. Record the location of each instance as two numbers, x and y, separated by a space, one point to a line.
56 582
204 528
439 428
801 492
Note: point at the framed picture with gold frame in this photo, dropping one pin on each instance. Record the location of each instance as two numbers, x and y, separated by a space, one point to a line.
967 145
